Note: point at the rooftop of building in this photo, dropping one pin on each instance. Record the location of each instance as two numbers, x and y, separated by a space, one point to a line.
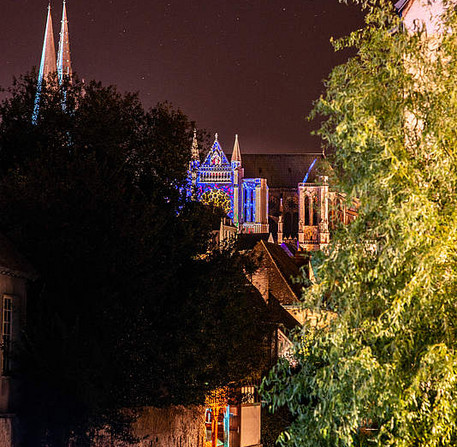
279 315
283 284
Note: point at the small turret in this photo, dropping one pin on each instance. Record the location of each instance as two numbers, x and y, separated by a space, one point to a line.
238 174
195 152
236 154
281 223
194 164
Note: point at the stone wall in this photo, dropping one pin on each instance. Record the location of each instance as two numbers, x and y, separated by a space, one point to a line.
6 431
165 427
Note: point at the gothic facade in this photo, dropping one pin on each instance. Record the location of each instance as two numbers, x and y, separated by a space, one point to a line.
218 181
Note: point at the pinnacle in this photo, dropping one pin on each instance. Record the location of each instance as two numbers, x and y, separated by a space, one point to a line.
236 154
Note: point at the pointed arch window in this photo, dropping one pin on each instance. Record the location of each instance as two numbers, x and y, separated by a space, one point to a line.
307 210
315 210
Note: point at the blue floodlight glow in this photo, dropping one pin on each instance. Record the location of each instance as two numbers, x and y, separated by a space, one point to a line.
309 171
249 199
227 427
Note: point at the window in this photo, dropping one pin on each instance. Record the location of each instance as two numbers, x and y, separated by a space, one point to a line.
7 314
307 210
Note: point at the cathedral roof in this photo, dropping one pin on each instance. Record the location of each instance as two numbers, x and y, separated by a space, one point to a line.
280 170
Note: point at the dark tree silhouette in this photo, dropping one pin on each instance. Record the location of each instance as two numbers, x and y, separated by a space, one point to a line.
129 310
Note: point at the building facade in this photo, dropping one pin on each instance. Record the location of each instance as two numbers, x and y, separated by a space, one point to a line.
15 273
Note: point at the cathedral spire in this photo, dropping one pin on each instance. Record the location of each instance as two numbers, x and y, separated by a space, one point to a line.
48 61
48 55
63 59
236 154
195 153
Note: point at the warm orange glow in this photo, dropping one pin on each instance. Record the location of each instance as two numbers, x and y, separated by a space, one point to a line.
216 402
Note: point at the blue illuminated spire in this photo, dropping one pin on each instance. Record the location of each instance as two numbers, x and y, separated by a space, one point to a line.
48 62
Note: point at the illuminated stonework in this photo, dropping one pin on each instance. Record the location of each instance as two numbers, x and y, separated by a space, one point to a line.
218 198
218 181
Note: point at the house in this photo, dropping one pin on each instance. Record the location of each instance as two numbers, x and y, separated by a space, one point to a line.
15 274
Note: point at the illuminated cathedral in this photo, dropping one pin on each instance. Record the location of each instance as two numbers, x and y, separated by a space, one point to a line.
295 205
218 181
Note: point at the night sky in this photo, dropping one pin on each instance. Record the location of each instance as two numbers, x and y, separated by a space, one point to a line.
251 67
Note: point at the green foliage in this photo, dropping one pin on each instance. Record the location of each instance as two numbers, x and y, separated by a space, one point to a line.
273 424
384 372
127 312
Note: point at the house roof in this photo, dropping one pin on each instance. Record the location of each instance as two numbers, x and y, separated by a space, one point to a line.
279 315
286 265
12 263
282 272
280 170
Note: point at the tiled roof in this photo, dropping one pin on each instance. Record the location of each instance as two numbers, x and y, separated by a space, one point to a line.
282 272
279 315
13 263
286 266
280 170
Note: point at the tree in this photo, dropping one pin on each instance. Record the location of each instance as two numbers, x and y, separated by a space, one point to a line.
384 371
127 312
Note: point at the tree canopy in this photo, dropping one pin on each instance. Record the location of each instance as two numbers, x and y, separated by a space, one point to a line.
129 309
384 372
